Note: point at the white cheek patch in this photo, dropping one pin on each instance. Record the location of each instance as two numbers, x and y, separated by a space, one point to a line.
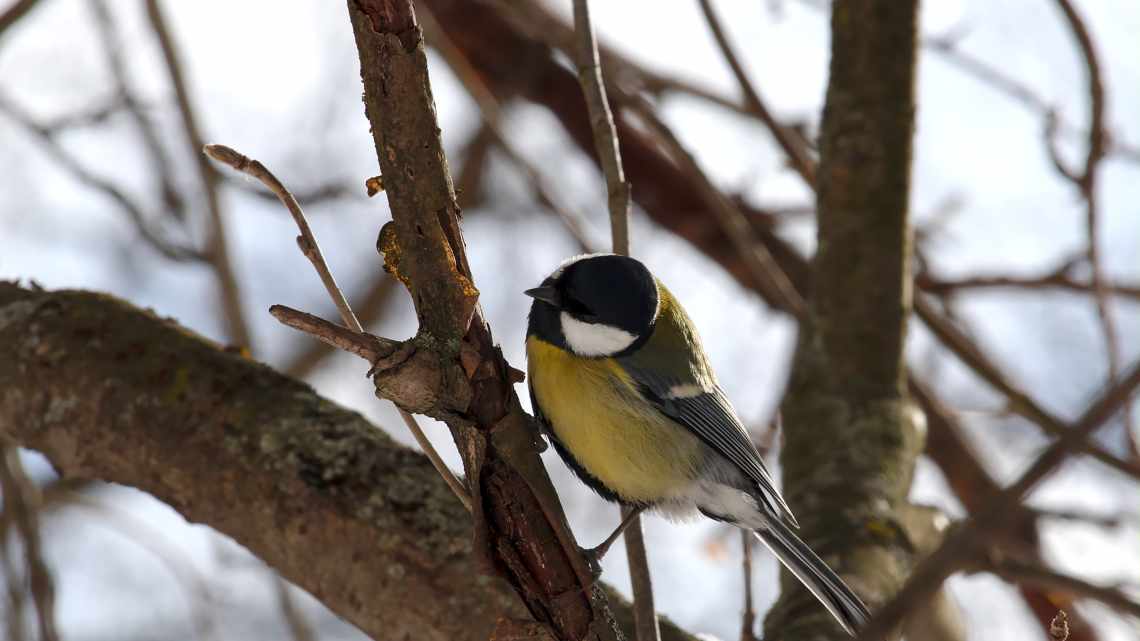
594 339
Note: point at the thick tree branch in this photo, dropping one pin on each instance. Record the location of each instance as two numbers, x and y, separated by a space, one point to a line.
851 433
110 392
520 530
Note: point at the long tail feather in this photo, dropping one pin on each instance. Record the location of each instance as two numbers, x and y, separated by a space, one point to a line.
819 579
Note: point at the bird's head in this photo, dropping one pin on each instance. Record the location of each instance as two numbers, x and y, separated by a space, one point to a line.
595 305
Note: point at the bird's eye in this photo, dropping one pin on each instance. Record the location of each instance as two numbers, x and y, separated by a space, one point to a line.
579 310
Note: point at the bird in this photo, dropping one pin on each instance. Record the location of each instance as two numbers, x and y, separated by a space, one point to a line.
622 388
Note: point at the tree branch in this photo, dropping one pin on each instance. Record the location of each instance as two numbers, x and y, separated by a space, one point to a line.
107 391
1037 575
520 529
609 157
995 511
792 145
602 125
217 245
848 383
15 12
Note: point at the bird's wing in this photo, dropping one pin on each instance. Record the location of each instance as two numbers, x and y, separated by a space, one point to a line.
671 372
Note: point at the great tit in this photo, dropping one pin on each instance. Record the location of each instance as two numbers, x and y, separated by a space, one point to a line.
621 386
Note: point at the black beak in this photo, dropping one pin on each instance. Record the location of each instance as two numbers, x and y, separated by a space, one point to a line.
546 294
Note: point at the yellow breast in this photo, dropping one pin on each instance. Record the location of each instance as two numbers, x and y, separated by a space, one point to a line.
612 433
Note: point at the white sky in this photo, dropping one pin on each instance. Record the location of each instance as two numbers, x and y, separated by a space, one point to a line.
287 92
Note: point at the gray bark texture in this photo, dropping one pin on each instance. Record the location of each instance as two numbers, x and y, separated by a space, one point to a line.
851 433
110 392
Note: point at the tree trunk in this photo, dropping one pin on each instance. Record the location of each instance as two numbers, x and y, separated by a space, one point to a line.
851 435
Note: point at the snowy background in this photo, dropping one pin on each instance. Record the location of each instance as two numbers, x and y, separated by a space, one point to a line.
287 92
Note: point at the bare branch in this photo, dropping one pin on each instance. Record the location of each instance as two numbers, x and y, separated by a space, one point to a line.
15 12
491 113
1019 401
792 145
307 243
602 122
519 524
609 154
20 499
938 286
1040 576
217 249
69 163
730 219
373 302
1086 183
366 346
156 153
748 621
959 544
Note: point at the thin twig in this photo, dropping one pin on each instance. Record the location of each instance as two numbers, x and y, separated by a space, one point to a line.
370 348
766 272
13 576
938 286
602 123
307 243
326 191
217 250
609 155
1019 402
456 486
539 23
1039 576
491 112
21 500
748 622
88 116
139 532
71 164
644 612
374 301
156 153
1086 183
14 13
794 146
958 545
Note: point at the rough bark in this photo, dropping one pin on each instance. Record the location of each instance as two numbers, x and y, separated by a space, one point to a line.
520 530
110 392
851 434
520 63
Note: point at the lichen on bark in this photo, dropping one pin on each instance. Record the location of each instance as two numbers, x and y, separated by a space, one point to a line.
110 392
851 433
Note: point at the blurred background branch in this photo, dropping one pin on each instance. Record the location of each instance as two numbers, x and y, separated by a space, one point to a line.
1025 287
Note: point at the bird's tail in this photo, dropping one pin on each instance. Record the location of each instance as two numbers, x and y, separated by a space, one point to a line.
819 579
